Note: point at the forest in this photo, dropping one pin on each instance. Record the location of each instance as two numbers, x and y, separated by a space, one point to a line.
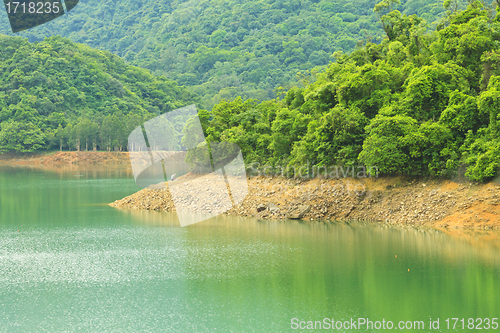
421 102
227 48
56 94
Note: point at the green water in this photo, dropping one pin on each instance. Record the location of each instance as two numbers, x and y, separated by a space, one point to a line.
69 262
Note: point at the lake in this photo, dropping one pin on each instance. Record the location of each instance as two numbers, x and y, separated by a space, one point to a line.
69 262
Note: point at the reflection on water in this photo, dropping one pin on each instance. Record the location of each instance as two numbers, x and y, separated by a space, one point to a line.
77 264
90 171
426 241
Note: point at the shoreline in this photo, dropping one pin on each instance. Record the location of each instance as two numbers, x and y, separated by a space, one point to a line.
442 204
397 200
66 158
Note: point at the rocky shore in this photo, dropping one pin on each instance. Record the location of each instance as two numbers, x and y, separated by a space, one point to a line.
392 200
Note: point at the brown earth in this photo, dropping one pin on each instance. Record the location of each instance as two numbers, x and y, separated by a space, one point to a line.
393 200
67 157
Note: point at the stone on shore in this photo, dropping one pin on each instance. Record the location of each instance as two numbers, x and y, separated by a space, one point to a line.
273 208
261 208
299 212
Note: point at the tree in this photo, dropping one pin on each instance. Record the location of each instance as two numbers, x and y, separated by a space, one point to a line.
60 137
462 114
387 146
20 137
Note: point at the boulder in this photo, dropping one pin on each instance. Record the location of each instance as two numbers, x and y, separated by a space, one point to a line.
299 212
273 208
261 208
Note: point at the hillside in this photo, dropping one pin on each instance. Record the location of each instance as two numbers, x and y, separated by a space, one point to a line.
225 49
57 94
419 103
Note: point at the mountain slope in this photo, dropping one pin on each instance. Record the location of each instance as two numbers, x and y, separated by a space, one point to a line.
57 93
421 103
226 48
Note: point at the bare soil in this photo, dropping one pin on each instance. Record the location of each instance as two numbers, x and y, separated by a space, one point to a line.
65 157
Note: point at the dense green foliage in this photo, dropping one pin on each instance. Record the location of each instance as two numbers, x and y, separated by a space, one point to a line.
419 103
61 95
224 49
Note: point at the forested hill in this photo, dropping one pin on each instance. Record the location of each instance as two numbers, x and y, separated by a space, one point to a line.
420 103
57 94
226 48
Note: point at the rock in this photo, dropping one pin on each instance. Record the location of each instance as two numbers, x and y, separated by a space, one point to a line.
349 212
273 208
299 212
261 208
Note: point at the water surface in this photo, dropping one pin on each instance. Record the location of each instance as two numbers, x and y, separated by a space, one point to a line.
69 262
